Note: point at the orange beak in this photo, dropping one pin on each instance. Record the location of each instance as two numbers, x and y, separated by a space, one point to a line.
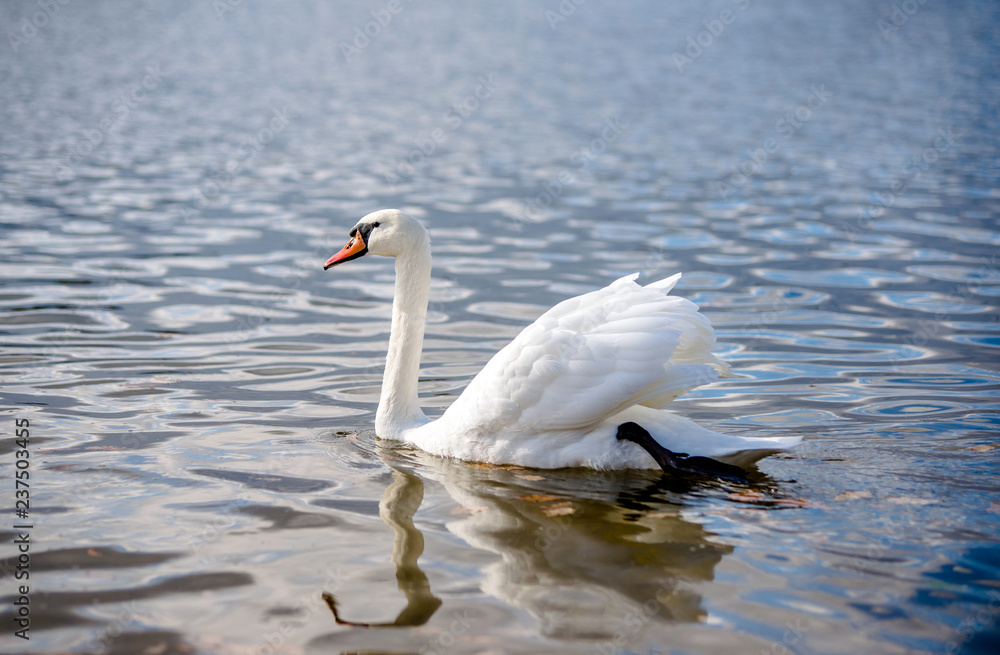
355 248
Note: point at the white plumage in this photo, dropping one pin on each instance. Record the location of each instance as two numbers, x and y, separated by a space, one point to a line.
555 396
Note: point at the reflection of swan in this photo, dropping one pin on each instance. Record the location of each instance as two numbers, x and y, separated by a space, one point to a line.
605 561
400 502
556 395
584 563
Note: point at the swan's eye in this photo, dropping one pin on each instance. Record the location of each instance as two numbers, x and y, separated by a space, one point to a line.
375 224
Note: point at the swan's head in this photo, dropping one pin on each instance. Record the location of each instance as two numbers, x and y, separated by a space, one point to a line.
387 232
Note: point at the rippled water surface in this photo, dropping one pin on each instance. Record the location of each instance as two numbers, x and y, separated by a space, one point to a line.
201 395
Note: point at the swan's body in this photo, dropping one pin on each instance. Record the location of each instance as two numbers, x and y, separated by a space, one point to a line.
556 395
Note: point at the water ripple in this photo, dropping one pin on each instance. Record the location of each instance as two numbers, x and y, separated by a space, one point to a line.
202 394
927 301
858 278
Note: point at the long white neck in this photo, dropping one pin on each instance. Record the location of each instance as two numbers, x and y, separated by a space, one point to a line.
398 408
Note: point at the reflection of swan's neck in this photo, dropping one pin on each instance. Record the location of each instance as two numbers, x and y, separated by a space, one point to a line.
401 501
398 408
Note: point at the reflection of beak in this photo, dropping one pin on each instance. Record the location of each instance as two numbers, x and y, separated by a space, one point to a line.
355 248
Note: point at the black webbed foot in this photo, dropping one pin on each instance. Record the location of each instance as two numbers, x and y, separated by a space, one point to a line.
679 463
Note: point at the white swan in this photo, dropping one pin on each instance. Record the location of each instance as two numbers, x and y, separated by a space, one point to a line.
585 385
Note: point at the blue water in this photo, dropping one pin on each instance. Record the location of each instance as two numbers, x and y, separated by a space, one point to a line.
201 394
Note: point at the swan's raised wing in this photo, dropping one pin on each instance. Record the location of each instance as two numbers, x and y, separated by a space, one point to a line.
590 357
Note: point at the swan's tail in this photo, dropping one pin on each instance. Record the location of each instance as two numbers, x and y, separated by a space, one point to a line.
681 434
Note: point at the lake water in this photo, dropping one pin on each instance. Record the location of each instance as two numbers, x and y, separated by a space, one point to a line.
201 394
